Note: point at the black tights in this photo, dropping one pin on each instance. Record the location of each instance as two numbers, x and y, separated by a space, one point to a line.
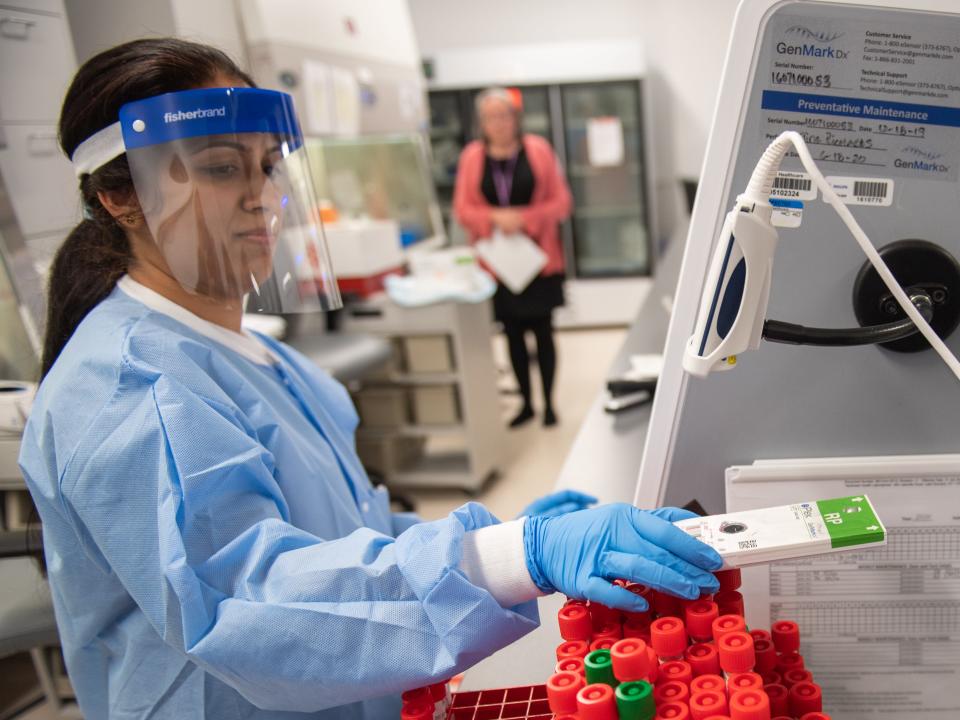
542 328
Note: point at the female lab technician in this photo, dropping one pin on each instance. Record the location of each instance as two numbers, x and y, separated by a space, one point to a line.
214 547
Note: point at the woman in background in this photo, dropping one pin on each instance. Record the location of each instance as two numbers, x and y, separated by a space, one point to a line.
511 181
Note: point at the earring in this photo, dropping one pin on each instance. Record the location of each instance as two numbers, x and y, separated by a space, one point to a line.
131 219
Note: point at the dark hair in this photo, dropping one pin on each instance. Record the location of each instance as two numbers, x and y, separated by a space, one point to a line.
97 253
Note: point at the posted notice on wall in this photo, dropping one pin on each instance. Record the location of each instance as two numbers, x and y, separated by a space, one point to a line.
605 141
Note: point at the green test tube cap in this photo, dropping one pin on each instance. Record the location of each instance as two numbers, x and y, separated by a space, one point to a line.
599 668
635 701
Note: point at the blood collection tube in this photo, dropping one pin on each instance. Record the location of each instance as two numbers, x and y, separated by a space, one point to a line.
678 670
612 630
766 654
727 624
729 579
760 634
596 702
637 628
708 683
599 668
736 652
744 681
778 695
673 711
771 677
417 696
805 697
671 691
668 637
703 658
575 622
790 661
730 602
705 704
699 616
640 617
602 643
571 664
572 648
664 605
750 705
630 660
793 677
635 701
416 711
602 615
562 689
438 692
654 664
815 716
786 636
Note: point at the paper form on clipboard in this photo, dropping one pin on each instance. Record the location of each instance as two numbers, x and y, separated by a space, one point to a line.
880 628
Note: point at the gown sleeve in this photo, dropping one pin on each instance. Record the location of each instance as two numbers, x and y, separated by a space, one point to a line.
180 501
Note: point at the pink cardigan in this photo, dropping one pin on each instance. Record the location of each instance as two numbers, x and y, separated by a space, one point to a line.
548 207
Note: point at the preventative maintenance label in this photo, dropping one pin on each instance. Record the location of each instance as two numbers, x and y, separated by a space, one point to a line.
789 531
870 98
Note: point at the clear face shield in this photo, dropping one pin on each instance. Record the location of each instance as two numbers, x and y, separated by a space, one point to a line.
222 178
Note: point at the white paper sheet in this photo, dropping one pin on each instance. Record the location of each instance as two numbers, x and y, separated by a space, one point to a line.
346 102
318 97
880 629
605 141
515 259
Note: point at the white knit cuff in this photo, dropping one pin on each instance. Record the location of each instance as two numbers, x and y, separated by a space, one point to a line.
494 559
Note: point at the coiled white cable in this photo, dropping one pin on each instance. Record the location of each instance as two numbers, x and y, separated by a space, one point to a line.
758 190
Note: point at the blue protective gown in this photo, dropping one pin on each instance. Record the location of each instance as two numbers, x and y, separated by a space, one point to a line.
215 548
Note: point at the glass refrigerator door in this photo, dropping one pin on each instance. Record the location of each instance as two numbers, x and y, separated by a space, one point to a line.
605 164
448 134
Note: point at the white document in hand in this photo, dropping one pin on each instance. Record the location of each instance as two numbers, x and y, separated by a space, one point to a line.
515 259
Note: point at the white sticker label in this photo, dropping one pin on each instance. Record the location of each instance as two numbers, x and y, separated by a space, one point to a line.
793 186
786 213
863 190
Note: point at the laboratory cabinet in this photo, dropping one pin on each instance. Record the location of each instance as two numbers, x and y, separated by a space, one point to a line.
597 131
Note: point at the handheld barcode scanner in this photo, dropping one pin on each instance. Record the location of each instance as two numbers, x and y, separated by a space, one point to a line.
733 306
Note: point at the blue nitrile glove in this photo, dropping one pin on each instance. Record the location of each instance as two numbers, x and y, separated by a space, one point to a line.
558 503
580 553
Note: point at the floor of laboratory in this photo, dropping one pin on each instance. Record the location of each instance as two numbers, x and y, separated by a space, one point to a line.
535 455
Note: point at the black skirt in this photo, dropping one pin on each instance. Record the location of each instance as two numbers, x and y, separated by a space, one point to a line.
536 301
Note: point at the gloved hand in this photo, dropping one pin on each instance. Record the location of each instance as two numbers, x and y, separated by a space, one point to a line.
558 503
580 553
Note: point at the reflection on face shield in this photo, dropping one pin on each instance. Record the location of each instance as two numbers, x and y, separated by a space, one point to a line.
218 211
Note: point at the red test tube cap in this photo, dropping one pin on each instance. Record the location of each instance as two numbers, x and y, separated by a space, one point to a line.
417 696
596 702
572 648
777 694
766 654
815 716
805 697
603 615
673 711
417 711
637 628
676 670
730 602
575 623
750 705
604 642
672 691
786 636
438 691
664 605
790 661
668 637
610 629
708 704
700 615
728 624
736 652
744 681
729 579
708 683
562 689
760 634
630 660
771 677
703 659
793 677
571 664
654 663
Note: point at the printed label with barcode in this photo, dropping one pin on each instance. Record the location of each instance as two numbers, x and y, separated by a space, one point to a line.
863 191
793 186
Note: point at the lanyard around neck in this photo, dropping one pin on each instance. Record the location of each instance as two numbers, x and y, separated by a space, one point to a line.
503 179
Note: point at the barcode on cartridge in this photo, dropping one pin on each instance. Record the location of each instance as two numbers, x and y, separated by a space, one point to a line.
792 183
793 186
863 191
870 189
